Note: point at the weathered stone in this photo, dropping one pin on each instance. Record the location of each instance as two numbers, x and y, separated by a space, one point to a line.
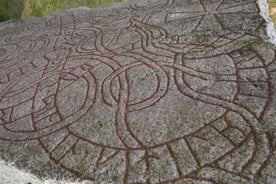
170 91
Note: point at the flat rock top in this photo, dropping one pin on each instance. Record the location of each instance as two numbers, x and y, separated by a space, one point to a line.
156 91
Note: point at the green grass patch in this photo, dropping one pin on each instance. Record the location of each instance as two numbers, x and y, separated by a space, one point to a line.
22 9
272 11
37 8
11 9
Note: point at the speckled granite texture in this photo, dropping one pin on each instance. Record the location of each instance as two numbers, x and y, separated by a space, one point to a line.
148 91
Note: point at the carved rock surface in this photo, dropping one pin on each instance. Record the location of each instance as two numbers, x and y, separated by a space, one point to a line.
147 91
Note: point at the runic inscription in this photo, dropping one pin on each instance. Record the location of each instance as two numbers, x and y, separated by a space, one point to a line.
141 92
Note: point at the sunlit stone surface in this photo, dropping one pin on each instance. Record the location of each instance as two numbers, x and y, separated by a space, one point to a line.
170 91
